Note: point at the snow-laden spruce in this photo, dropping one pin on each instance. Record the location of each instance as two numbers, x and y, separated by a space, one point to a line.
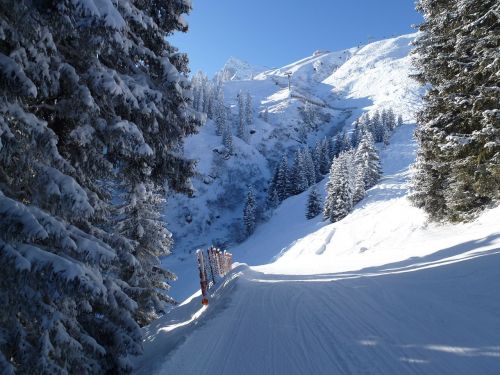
249 212
314 203
458 164
94 104
351 174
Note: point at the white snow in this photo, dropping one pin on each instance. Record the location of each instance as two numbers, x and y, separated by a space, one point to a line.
341 85
102 8
237 70
379 292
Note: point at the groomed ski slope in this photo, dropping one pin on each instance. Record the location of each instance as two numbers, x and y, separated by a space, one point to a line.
380 292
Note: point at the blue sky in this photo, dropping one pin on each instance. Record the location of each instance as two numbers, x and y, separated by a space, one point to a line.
277 32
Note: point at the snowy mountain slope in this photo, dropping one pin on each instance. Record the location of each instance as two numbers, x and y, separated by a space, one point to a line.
310 70
380 292
380 71
237 70
214 214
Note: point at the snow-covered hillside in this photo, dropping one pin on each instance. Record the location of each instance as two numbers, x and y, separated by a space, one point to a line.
338 86
380 292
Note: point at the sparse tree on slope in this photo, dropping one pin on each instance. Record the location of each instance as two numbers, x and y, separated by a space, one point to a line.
339 196
400 120
367 158
227 140
317 156
242 124
248 110
314 204
249 213
282 180
298 177
310 169
220 113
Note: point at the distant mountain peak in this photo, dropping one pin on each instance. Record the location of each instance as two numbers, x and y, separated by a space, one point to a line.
236 69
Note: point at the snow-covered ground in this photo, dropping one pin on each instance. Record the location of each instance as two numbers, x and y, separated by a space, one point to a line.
339 86
380 292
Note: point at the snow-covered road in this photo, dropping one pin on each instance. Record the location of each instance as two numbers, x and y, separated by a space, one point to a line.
427 316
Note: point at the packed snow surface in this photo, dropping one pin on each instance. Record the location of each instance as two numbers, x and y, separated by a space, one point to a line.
380 292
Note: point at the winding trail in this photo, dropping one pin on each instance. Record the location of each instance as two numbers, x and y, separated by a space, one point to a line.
398 319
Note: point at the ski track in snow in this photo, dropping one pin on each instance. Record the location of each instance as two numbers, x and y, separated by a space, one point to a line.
380 292
414 322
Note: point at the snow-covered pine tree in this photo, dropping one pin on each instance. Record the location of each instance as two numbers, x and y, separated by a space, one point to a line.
282 180
314 204
365 120
384 117
350 157
249 213
207 94
347 141
377 127
272 199
310 170
359 190
248 110
199 84
367 158
298 177
209 102
325 160
272 192
386 134
400 120
241 131
227 141
220 114
339 143
339 194
317 156
391 119
86 97
356 133
332 151
457 169
140 221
